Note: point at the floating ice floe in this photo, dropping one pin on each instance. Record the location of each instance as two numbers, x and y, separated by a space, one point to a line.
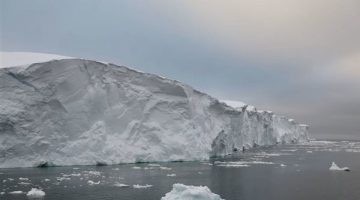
154 165
335 167
240 163
189 192
136 167
24 183
75 174
282 165
16 192
94 173
23 179
137 186
63 178
90 182
165 168
171 175
121 185
35 193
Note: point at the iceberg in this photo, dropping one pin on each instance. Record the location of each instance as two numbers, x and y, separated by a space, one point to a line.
189 192
137 186
35 193
335 167
83 112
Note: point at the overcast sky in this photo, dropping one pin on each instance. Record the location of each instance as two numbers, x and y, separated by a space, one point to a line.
300 58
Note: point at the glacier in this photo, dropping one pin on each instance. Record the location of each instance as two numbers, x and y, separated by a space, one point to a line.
82 112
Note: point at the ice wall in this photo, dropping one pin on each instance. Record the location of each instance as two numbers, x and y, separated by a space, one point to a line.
81 112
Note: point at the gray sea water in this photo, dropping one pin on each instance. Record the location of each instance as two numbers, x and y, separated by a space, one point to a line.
295 172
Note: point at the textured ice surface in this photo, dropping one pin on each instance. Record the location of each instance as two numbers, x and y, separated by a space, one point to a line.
81 112
189 192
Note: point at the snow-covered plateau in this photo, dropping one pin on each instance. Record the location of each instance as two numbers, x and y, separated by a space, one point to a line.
83 112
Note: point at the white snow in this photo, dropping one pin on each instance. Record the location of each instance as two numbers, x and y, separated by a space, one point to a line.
82 112
11 59
335 167
35 193
189 192
137 186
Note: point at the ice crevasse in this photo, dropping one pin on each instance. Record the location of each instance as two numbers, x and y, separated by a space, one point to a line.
83 112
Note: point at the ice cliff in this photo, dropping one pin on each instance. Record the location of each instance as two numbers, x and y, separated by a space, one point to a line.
82 112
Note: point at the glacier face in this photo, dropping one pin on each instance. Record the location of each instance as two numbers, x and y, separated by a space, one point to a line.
81 112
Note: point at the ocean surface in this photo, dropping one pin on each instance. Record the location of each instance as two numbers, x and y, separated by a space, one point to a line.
295 172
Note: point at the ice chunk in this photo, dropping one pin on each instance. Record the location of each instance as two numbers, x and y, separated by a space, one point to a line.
24 183
137 186
90 182
189 192
121 185
136 167
16 192
335 167
240 163
165 168
171 175
35 193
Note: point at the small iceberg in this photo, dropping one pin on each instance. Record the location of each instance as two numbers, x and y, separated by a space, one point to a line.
16 192
334 167
121 185
35 193
137 186
90 182
189 192
171 175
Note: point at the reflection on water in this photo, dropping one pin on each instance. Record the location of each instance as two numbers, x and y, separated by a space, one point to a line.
281 172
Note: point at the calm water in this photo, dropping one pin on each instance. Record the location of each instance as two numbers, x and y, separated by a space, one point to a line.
258 175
